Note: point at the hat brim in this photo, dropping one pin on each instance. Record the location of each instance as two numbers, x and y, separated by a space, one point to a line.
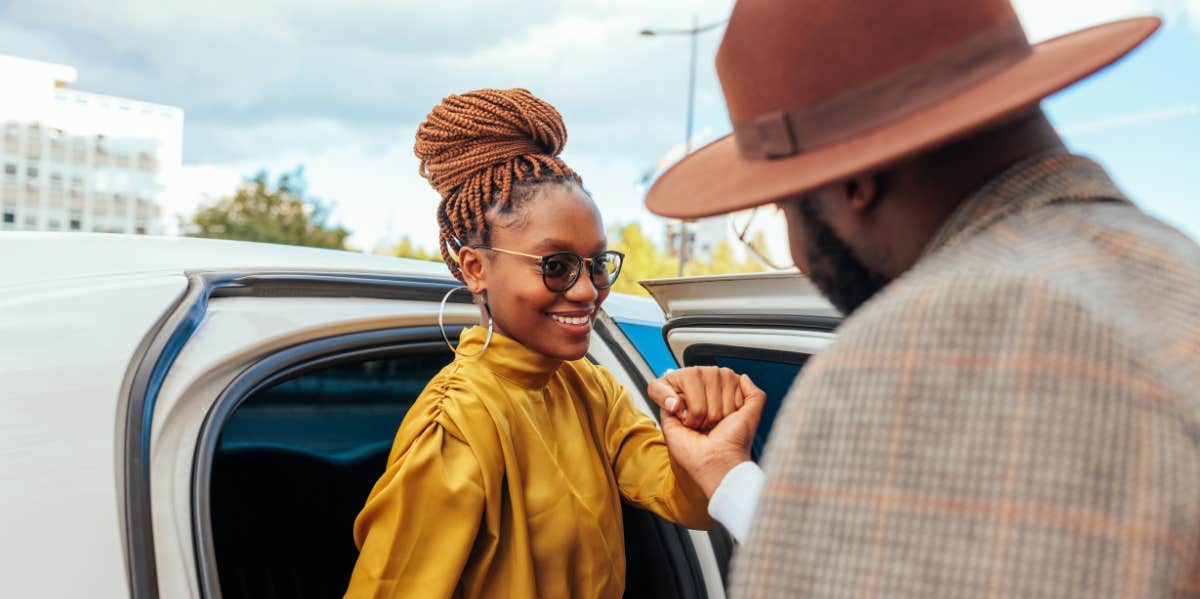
716 180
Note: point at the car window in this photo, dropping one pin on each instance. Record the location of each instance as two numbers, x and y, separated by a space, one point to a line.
773 372
341 408
294 465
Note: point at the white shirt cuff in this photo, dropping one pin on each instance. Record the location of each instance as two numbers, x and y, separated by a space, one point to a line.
732 504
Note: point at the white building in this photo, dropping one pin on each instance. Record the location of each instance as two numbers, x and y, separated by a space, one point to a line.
705 235
78 161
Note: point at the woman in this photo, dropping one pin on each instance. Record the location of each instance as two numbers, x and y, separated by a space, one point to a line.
506 476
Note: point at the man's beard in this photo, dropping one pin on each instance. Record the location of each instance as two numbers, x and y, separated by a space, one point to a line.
840 276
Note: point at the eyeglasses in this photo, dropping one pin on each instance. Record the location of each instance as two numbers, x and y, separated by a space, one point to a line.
561 270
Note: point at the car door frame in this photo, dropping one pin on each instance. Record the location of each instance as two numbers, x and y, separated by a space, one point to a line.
163 345
788 319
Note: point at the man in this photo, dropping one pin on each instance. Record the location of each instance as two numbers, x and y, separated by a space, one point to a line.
1012 405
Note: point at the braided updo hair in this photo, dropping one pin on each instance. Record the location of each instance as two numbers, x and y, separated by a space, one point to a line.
484 152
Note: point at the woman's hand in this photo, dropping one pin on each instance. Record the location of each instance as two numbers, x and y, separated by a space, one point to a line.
700 396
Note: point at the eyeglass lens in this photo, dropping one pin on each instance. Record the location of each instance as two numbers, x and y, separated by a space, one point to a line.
560 271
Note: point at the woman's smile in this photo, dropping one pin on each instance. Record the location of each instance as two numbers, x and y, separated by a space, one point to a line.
574 322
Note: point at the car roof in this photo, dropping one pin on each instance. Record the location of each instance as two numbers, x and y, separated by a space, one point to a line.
60 258
34 257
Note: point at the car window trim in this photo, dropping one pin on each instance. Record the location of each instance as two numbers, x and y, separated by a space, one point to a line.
674 537
163 343
825 324
709 351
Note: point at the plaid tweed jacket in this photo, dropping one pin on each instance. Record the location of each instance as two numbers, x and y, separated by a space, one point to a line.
1016 416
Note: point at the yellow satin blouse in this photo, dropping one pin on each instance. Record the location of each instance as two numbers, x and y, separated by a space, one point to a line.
506 478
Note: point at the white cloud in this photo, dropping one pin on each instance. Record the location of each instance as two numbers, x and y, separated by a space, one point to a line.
339 86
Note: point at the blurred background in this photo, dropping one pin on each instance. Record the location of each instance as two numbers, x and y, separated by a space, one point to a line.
293 122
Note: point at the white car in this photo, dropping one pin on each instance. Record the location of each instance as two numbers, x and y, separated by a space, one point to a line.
197 418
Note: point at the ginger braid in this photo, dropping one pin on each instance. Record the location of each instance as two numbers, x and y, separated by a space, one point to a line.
476 149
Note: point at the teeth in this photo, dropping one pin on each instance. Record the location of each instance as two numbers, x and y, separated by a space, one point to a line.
571 319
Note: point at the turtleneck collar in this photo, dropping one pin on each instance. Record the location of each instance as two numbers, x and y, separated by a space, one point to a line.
507 358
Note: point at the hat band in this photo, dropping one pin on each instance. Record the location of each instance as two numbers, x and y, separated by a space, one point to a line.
784 133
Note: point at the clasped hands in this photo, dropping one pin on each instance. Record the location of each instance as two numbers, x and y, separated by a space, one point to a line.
709 416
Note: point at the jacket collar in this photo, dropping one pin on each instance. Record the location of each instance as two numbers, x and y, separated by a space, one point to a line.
507 358
1045 178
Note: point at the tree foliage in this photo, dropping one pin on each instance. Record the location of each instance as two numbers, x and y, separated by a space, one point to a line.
270 213
645 260
407 249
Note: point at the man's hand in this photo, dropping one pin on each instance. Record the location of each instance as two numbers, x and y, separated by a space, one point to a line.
701 396
708 457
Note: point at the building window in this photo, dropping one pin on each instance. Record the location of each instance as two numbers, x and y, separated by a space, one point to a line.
10 169
77 181
55 224
30 220
56 180
31 172
141 230
10 216
76 224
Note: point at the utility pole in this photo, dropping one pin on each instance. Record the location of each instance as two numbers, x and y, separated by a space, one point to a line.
694 33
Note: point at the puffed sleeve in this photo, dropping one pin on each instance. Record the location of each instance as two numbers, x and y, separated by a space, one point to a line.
420 521
646 475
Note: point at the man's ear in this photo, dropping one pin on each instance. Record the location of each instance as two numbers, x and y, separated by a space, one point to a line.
864 192
471 263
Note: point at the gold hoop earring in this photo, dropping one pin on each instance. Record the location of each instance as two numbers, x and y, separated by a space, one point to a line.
442 326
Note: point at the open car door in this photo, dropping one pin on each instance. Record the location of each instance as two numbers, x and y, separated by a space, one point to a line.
765 325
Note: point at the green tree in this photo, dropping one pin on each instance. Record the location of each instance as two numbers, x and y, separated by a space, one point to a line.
643 259
723 261
407 249
278 213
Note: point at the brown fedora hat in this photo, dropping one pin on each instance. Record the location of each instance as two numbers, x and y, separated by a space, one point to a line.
821 91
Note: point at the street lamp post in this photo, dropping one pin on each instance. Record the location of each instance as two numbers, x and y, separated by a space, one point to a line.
694 32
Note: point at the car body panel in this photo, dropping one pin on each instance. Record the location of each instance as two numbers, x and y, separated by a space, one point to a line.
772 339
770 293
65 256
642 320
65 352
778 311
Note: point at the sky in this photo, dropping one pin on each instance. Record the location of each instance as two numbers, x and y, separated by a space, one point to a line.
339 86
